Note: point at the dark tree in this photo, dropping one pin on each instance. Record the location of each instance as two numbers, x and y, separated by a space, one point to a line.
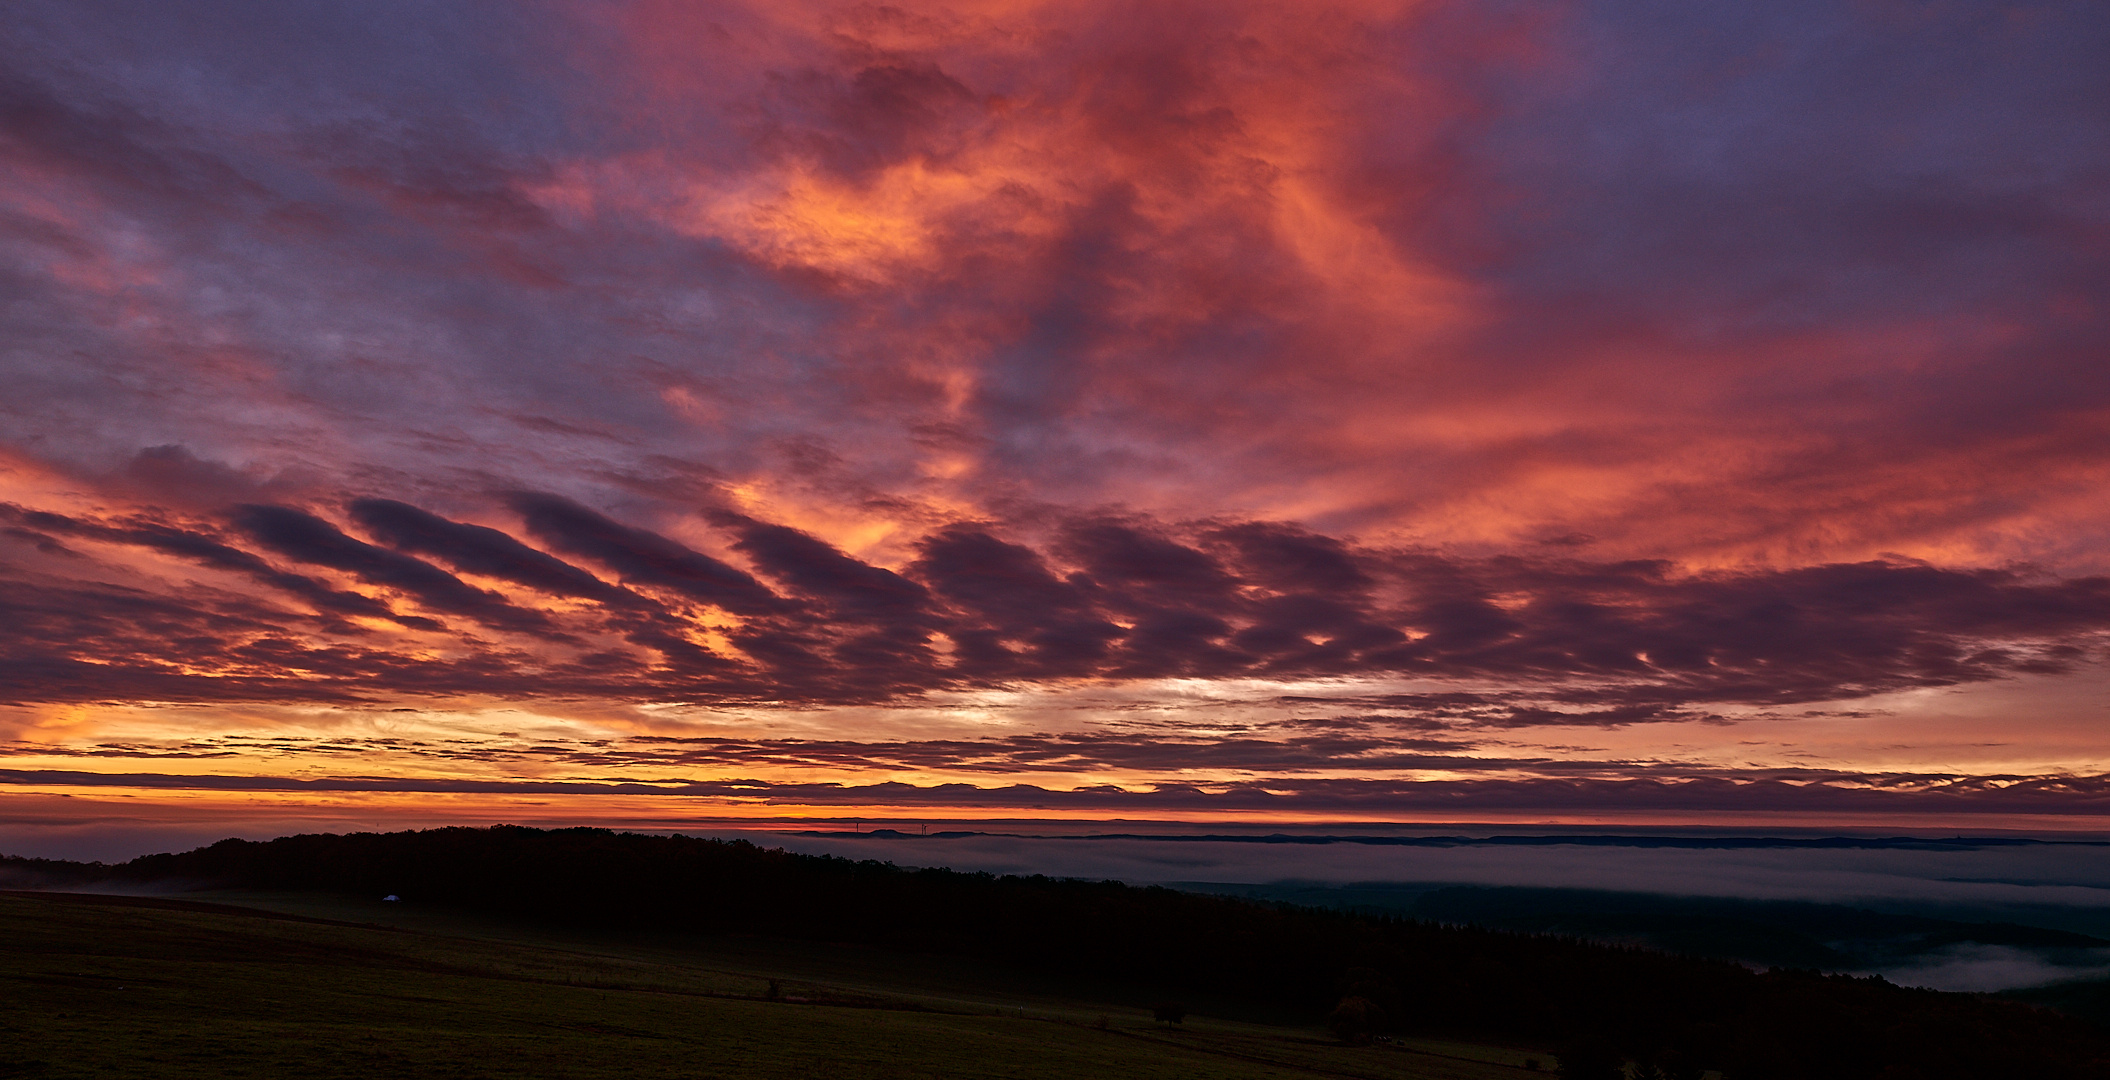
1354 1019
1385 1005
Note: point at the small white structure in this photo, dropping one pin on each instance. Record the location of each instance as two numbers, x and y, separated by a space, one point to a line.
391 898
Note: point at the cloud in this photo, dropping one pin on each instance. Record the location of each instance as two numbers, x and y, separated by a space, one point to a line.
642 557
208 551
848 588
310 539
1471 368
1528 641
1838 797
1469 273
1017 619
1988 968
479 550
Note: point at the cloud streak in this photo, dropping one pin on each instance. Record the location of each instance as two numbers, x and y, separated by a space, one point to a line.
1994 799
1574 642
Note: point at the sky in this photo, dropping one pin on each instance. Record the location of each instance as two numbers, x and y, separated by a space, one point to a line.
645 413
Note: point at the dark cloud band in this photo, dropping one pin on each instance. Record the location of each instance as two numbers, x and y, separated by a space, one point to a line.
1575 642
1402 800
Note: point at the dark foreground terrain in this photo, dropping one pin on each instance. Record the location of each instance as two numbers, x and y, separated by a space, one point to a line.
132 987
521 952
1758 933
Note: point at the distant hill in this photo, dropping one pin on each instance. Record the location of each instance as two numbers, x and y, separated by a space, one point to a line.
1372 973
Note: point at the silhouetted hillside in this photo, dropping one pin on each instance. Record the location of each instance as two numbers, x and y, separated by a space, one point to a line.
1685 1012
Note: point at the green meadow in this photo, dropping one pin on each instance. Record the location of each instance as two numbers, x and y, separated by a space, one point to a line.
263 985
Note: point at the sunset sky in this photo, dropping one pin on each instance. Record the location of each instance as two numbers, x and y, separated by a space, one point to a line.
655 412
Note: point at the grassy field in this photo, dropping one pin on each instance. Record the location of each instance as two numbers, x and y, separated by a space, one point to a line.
297 986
